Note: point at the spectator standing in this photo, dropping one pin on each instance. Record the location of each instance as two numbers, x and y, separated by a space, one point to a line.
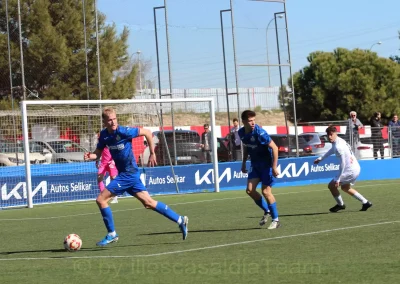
235 140
206 143
376 135
394 129
354 125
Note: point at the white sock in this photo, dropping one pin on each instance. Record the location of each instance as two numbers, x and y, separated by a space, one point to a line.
358 196
179 220
339 200
112 234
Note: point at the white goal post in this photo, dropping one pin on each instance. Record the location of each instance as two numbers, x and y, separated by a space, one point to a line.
62 130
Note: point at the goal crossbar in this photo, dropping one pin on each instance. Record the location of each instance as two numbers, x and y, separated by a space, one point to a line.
114 102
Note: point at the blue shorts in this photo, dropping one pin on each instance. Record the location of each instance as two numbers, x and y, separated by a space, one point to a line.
126 182
262 173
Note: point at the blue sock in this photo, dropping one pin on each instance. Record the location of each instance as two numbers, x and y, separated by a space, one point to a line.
167 212
262 204
274 210
108 219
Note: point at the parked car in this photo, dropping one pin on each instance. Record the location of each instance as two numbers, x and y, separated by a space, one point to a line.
63 150
12 154
318 141
188 148
287 145
364 149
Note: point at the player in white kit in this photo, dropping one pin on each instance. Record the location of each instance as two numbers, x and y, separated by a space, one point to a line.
348 172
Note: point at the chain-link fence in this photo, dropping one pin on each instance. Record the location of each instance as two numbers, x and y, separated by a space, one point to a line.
393 134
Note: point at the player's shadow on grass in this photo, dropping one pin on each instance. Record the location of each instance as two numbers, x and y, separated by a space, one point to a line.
202 231
306 214
45 250
142 245
295 215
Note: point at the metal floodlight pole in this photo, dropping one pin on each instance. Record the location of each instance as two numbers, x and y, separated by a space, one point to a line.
170 77
21 51
234 56
11 83
86 57
158 63
292 85
97 46
225 74
168 47
87 70
9 58
157 53
280 76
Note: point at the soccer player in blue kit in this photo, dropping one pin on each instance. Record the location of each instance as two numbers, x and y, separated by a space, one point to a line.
119 140
264 161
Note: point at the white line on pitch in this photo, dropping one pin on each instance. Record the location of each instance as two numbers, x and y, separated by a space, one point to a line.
173 204
201 248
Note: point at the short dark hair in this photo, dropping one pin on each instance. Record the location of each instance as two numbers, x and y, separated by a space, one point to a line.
235 119
247 113
206 125
331 129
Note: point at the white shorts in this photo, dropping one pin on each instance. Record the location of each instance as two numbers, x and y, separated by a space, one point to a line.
350 177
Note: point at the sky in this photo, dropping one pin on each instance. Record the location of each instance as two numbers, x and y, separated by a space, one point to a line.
196 50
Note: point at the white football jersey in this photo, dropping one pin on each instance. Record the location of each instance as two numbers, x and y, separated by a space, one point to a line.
349 167
342 150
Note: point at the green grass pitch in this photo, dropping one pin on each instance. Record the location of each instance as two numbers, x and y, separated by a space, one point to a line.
225 243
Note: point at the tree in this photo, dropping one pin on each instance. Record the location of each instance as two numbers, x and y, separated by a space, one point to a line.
335 83
54 53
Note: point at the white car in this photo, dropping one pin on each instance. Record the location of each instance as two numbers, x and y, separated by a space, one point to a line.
318 141
364 149
63 150
12 154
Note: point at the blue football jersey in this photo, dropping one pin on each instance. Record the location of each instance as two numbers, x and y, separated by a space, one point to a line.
257 143
120 145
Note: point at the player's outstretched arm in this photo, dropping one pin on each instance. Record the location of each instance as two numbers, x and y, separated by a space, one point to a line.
327 154
92 156
149 137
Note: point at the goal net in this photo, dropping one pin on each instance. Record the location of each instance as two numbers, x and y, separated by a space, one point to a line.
55 134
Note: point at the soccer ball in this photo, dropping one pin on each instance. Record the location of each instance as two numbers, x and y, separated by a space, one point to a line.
72 242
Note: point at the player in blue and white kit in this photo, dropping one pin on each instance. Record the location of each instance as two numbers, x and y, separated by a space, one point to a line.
119 141
264 161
